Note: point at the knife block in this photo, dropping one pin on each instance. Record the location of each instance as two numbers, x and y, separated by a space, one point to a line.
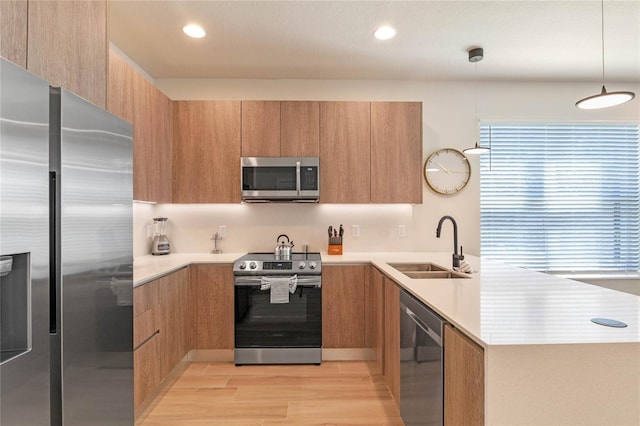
335 249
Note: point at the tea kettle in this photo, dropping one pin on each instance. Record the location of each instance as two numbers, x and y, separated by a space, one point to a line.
283 250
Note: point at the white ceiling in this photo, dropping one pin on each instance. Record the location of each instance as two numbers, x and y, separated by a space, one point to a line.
523 40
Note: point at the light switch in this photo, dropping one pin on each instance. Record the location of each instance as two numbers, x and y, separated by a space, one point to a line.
355 231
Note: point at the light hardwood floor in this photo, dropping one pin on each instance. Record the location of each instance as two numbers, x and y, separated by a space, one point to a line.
334 393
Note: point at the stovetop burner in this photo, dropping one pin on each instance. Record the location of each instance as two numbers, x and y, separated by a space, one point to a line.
267 264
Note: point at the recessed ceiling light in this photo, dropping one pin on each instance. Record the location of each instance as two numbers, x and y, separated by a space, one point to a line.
193 30
385 33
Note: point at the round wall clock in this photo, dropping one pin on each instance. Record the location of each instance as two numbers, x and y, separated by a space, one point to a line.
447 171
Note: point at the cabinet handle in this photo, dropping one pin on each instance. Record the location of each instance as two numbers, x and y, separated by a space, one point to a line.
298 177
147 339
423 326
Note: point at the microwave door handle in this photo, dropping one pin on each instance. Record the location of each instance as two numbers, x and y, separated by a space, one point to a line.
298 177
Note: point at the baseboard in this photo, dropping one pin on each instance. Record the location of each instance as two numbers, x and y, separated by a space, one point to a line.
210 355
347 354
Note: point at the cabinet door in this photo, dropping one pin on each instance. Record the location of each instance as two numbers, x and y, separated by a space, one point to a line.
396 152
67 45
120 87
175 302
392 338
299 129
159 162
13 31
374 318
142 137
146 340
463 380
343 306
146 369
345 174
261 128
214 306
206 152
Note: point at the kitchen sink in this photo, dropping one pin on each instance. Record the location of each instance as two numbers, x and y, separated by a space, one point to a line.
426 270
422 267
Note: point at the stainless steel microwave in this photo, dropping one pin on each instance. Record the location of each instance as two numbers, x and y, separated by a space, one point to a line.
280 179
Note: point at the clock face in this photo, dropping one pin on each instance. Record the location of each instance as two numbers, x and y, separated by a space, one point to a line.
447 171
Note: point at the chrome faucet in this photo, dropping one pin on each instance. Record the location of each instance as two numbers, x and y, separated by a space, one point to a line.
456 257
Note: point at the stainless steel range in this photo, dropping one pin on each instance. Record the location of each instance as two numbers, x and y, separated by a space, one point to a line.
278 309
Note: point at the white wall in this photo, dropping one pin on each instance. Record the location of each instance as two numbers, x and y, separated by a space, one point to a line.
449 120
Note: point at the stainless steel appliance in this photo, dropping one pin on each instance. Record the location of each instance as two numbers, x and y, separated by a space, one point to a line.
280 179
160 243
270 332
421 363
283 250
66 317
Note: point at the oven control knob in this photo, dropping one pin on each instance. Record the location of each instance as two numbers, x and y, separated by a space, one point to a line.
301 265
253 265
312 265
243 265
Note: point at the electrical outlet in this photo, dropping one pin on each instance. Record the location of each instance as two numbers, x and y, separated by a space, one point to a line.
222 231
355 231
402 231
149 231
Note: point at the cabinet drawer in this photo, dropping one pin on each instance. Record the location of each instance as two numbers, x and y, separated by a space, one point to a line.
146 368
145 297
146 325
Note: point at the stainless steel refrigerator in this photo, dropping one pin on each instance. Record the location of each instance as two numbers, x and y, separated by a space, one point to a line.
66 262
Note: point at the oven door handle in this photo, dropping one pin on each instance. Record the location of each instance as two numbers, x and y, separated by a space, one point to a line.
315 282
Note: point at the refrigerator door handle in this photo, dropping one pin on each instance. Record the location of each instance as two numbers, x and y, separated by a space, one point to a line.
53 276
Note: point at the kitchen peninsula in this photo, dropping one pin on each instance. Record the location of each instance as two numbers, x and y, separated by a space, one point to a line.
545 362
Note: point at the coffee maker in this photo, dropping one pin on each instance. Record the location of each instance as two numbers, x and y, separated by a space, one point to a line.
160 243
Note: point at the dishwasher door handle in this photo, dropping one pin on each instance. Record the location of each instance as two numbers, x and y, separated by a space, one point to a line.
423 326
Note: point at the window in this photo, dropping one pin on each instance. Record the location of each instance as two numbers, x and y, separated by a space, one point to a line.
561 197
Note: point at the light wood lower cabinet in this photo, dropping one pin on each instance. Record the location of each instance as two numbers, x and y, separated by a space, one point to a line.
463 380
146 340
343 306
214 306
392 337
374 319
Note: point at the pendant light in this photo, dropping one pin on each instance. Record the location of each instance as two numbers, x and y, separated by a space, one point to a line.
604 99
475 56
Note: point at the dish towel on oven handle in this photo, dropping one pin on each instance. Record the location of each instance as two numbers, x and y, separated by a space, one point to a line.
280 287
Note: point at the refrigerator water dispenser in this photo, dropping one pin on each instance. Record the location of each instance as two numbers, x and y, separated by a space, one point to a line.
15 306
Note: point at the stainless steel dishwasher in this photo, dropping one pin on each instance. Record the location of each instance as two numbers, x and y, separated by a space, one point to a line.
421 363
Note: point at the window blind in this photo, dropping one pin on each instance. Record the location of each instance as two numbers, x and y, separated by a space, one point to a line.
561 197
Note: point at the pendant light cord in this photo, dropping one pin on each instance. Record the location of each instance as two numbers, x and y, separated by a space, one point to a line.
602 35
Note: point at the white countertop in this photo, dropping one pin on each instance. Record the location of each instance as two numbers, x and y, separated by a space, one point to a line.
499 305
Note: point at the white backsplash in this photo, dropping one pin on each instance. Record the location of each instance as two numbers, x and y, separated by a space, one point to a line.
255 227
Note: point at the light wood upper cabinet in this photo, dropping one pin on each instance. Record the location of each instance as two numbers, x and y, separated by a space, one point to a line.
13 31
345 152
299 129
280 128
134 99
120 100
463 380
396 152
343 306
159 162
67 45
214 306
206 151
261 128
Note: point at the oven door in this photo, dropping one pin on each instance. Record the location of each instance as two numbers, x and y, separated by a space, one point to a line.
261 324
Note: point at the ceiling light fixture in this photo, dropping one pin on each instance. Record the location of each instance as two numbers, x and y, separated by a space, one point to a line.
385 33
604 99
475 56
194 30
